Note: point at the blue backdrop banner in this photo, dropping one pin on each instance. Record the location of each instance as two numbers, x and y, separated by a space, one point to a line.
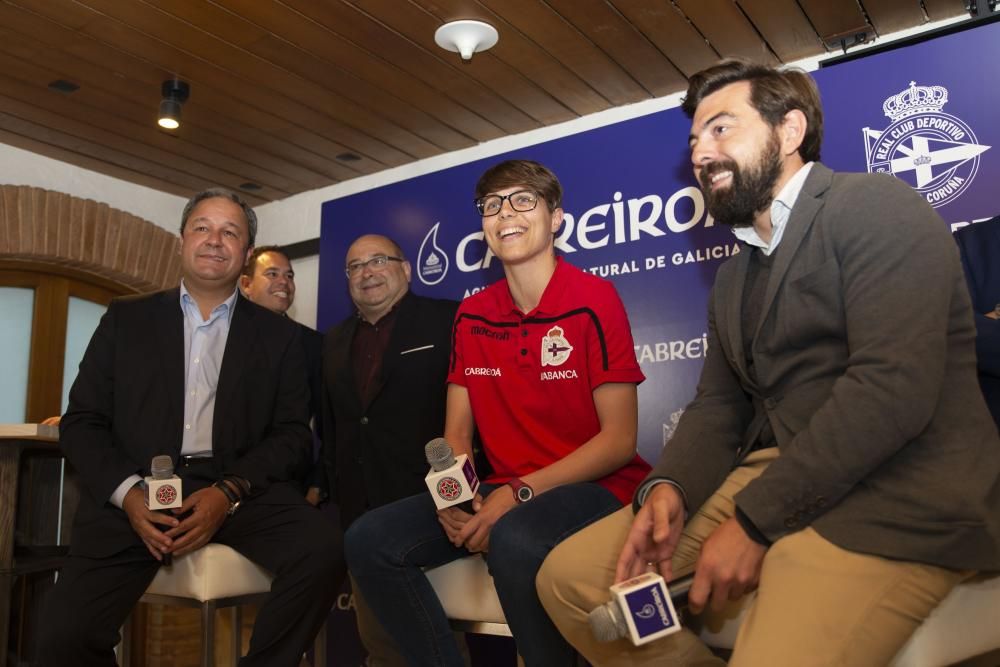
635 216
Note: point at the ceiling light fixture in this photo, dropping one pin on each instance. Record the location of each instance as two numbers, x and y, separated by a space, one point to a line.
466 37
175 93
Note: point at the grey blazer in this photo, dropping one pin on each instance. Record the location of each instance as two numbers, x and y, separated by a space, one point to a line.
866 371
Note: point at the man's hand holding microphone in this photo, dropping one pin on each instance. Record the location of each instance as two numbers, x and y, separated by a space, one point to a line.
170 524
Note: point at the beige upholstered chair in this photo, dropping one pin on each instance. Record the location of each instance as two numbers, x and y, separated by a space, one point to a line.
963 626
466 591
210 578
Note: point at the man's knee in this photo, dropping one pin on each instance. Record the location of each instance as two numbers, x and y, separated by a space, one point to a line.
67 635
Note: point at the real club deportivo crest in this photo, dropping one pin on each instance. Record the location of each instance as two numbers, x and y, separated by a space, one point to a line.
935 152
555 348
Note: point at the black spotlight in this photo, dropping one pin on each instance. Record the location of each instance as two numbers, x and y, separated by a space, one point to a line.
175 93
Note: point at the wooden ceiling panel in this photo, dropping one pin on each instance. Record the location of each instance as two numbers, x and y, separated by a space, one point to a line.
785 28
18 80
893 15
418 26
612 33
524 55
938 10
330 78
426 66
835 19
334 51
86 61
235 90
540 23
671 32
36 105
292 95
727 29
36 124
179 42
205 137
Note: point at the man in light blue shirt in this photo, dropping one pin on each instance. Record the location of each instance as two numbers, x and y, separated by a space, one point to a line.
202 375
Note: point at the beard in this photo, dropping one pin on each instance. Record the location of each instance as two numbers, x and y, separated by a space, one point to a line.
750 191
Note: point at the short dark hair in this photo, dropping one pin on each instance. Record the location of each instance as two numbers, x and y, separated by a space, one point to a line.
251 266
773 93
528 173
211 193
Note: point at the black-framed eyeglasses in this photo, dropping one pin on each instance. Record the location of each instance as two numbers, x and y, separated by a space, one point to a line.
376 263
521 201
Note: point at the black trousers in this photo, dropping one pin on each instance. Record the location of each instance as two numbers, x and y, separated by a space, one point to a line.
294 541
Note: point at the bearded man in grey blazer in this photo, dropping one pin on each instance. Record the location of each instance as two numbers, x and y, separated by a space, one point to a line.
838 453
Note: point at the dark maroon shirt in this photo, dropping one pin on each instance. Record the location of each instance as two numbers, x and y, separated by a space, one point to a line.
367 350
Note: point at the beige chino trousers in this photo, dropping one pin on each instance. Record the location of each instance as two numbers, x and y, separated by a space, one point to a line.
817 604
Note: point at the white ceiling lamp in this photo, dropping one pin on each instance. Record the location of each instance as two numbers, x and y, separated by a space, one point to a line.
466 37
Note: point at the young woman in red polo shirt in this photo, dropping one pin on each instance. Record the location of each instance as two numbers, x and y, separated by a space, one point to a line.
544 367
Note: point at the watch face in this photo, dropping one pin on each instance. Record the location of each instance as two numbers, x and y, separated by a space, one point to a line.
524 494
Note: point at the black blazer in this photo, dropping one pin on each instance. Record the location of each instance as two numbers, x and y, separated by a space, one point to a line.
312 344
374 454
979 246
127 406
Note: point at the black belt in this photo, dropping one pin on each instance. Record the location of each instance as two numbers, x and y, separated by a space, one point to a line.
185 461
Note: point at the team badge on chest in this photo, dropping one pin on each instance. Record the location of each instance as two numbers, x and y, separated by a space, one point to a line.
555 348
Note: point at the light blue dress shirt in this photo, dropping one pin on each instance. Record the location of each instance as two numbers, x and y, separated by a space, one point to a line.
204 347
781 209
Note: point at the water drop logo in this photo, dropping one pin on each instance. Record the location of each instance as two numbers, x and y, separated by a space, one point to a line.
647 611
432 262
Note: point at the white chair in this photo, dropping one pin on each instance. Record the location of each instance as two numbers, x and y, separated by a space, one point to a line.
210 578
468 596
963 626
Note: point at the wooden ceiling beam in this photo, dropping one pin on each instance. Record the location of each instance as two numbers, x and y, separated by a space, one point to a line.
132 152
893 15
671 32
175 44
784 27
834 20
540 23
98 165
628 47
534 105
727 29
524 55
428 67
120 116
333 50
276 133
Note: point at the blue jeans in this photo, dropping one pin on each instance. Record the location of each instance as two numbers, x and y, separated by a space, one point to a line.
388 547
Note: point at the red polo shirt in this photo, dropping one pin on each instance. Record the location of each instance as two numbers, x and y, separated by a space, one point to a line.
531 376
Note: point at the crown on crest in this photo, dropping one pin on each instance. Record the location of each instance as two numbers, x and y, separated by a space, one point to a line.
915 99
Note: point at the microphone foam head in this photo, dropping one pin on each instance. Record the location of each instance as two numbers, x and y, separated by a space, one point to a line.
607 625
162 467
439 454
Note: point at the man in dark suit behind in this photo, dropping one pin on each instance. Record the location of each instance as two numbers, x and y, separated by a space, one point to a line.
384 371
268 280
838 451
979 247
219 384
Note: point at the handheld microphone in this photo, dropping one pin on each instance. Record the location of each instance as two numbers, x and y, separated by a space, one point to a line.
163 490
641 609
451 480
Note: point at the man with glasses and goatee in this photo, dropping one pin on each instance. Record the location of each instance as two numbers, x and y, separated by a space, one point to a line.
384 371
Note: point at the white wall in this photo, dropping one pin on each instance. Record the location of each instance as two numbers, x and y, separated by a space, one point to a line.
20 167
